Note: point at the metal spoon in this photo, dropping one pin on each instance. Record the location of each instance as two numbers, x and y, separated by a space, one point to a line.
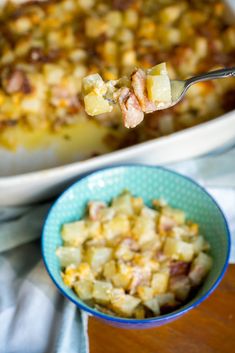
179 87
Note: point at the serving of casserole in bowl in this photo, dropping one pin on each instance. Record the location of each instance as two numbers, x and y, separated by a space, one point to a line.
47 47
139 258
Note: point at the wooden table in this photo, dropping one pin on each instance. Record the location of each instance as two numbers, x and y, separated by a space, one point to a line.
210 328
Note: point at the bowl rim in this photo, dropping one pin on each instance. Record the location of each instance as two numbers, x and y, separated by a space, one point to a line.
157 319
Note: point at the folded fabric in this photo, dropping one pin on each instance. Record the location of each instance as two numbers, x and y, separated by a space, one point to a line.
34 317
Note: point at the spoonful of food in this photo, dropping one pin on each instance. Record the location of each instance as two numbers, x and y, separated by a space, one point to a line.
142 93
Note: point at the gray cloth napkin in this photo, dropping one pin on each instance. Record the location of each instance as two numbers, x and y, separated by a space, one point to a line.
34 317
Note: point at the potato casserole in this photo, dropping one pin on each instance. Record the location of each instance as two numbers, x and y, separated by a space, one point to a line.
47 47
130 260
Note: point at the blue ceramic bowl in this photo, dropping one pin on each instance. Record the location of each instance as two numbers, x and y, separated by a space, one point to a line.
149 183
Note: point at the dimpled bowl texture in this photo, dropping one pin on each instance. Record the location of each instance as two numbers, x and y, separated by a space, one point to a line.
149 183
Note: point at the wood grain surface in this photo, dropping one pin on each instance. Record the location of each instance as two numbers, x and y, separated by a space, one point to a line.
210 328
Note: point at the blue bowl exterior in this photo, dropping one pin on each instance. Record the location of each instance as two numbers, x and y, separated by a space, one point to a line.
140 326
155 321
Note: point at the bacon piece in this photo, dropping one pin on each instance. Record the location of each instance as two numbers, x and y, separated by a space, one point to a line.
94 208
179 268
138 82
131 111
122 4
37 55
62 96
17 81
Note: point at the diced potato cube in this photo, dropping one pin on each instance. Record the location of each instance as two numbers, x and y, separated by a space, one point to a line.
147 28
86 4
180 286
93 229
170 13
159 282
78 55
114 18
106 214
94 27
153 305
84 272
193 228
70 276
93 83
177 215
117 293
141 275
171 247
171 36
109 270
74 233
22 25
141 259
178 249
110 73
200 244
123 276
96 104
54 73
131 18
84 289
119 225
68 255
159 88
124 304
149 212
31 104
186 251
180 233
97 257
124 252
145 293
125 36
159 69
128 58
144 230
200 268
110 51
137 204
121 280
153 244
102 291
154 265
139 312
122 204
165 224
165 299
201 47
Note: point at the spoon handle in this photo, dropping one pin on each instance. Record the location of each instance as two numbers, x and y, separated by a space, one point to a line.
211 76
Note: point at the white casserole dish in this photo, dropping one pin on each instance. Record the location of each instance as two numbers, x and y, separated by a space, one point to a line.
20 186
